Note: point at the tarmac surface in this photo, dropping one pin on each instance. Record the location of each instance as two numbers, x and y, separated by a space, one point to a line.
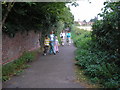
50 71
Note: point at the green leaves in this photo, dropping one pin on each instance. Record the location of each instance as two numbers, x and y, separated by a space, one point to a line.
106 31
36 16
99 65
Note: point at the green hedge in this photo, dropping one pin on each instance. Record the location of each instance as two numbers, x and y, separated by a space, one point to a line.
94 60
106 32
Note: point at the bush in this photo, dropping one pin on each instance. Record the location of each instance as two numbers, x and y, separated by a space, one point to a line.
112 83
96 62
106 32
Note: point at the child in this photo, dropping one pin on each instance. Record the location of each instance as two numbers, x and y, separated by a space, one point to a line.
62 35
46 44
56 44
62 41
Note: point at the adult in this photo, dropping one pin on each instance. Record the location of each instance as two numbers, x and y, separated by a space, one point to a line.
52 40
62 35
68 37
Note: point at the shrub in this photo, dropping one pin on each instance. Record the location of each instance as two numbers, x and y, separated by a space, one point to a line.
106 32
97 63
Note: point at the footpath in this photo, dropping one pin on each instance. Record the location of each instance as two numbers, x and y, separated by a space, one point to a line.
50 71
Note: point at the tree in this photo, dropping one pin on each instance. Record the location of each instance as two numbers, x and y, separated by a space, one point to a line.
107 31
94 19
9 7
25 16
84 21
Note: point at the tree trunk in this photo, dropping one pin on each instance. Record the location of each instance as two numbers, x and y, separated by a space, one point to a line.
7 12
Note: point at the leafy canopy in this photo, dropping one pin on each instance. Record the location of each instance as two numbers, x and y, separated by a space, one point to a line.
26 16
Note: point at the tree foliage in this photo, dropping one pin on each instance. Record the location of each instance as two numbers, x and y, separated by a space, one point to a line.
94 19
107 31
38 16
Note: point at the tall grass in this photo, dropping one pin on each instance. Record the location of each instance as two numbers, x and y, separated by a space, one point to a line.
94 60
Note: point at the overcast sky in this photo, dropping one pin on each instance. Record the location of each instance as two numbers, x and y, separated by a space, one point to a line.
86 10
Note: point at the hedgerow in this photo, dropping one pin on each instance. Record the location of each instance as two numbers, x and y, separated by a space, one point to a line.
94 60
106 32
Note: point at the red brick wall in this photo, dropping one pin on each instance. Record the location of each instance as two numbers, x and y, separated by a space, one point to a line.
12 48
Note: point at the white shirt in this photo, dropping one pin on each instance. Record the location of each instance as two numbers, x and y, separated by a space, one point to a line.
52 37
62 34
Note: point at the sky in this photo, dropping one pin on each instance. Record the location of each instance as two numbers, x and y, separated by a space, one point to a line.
86 10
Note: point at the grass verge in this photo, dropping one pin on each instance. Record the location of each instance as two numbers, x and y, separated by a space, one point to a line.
17 66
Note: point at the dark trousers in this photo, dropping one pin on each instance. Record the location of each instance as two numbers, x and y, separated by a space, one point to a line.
46 49
52 48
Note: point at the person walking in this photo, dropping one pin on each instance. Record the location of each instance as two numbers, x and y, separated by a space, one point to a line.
62 35
56 44
46 44
68 37
52 41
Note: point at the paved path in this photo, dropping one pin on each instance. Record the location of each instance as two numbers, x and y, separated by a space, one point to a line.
51 71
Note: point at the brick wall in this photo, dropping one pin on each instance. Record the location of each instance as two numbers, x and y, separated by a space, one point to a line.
12 48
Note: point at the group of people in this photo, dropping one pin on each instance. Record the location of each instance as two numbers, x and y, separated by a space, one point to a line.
51 42
65 36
